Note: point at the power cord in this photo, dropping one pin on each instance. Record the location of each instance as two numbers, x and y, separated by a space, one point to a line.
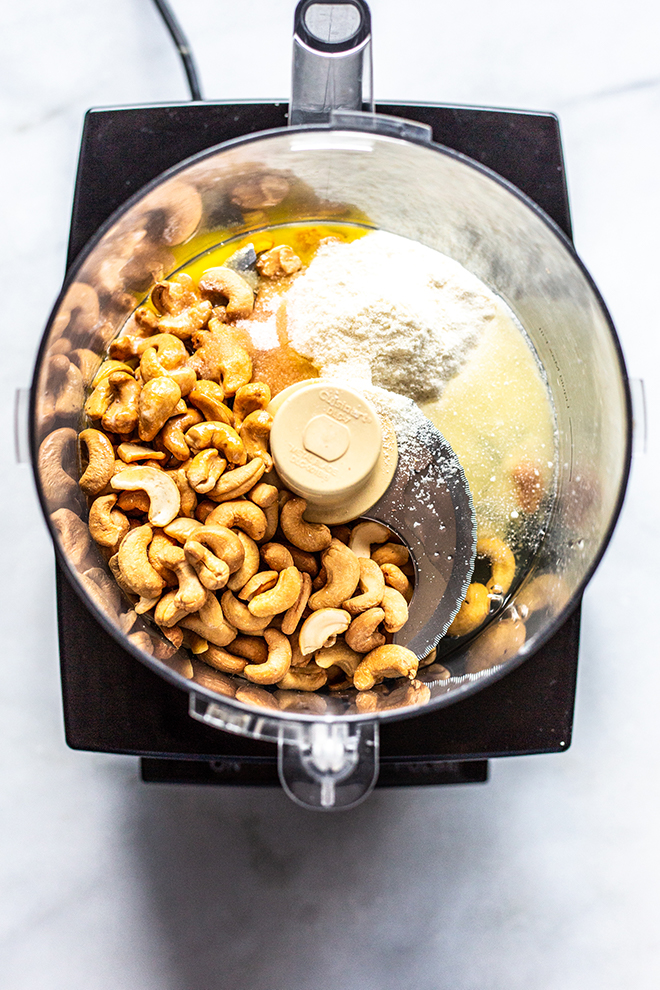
182 47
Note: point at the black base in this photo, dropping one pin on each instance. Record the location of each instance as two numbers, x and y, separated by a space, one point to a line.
114 704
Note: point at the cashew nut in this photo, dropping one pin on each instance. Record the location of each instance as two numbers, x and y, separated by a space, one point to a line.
164 553
307 536
252 694
261 581
231 286
164 355
164 497
294 614
280 260
281 597
56 450
240 616
473 611
276 556
121 415
213 680
342 572
395 578
134 564
361 635
186 492
131 452
204 470
250 564
107 525
395 608
158 401
242 515
260 192
212 571
304 560
176 206
73 534
172 434
101 457
81 302
277 664
341 655
255 434
223 437
209 398
238 481
263 495
252 648
391 553
210 622
385 661
502 564
372 586
220 659
293 700
221 357
366 533
250 398
321 628
309 678
496 645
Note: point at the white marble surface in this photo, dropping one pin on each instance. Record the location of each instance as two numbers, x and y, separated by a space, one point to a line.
546 878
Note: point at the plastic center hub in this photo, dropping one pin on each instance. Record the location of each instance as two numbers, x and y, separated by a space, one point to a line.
325 440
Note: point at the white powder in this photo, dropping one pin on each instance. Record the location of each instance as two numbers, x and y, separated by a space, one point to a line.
388 311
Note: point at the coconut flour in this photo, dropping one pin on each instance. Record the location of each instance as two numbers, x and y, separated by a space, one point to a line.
388 311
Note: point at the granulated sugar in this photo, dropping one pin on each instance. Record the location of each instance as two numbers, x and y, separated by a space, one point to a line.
389 311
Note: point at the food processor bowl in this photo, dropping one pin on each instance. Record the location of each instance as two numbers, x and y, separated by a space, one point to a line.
385 175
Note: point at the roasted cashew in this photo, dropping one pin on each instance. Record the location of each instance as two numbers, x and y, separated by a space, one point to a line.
307 536
64 390
121 414
263 495
341 655
280 260
276 556
294 614
395 608
223 437
101 466
73 534
309 678
321 628
174 295
212 572
342 569
304 560
252 648
213 680
163 552
250 564
281 597
164 497
220 659
255 434
220 357
372 587
250 398
204 470
100 398
186 492
291 700
134 503
231 286
103 589
134 564
277 664
87 363
158 401
210 623
366 533
175 208
131 452
413 693
182 528
473 611
241 515
209 398
143 323
362 635
238 481
224 543
395 578
166 355
107 525
385 661
497 644
240 616
107 369
272 514
342 533
391 553
184 324
502 564
252 694
261 581
172 433
260 192
57 450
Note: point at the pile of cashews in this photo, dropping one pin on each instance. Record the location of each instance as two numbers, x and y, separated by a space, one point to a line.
196 527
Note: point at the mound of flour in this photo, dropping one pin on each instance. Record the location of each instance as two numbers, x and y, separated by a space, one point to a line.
388 311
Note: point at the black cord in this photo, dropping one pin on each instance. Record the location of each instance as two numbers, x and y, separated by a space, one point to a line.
182 47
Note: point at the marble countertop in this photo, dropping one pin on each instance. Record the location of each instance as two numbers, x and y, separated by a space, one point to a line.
544 879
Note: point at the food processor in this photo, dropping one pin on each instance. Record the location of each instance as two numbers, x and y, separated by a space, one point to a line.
336 160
